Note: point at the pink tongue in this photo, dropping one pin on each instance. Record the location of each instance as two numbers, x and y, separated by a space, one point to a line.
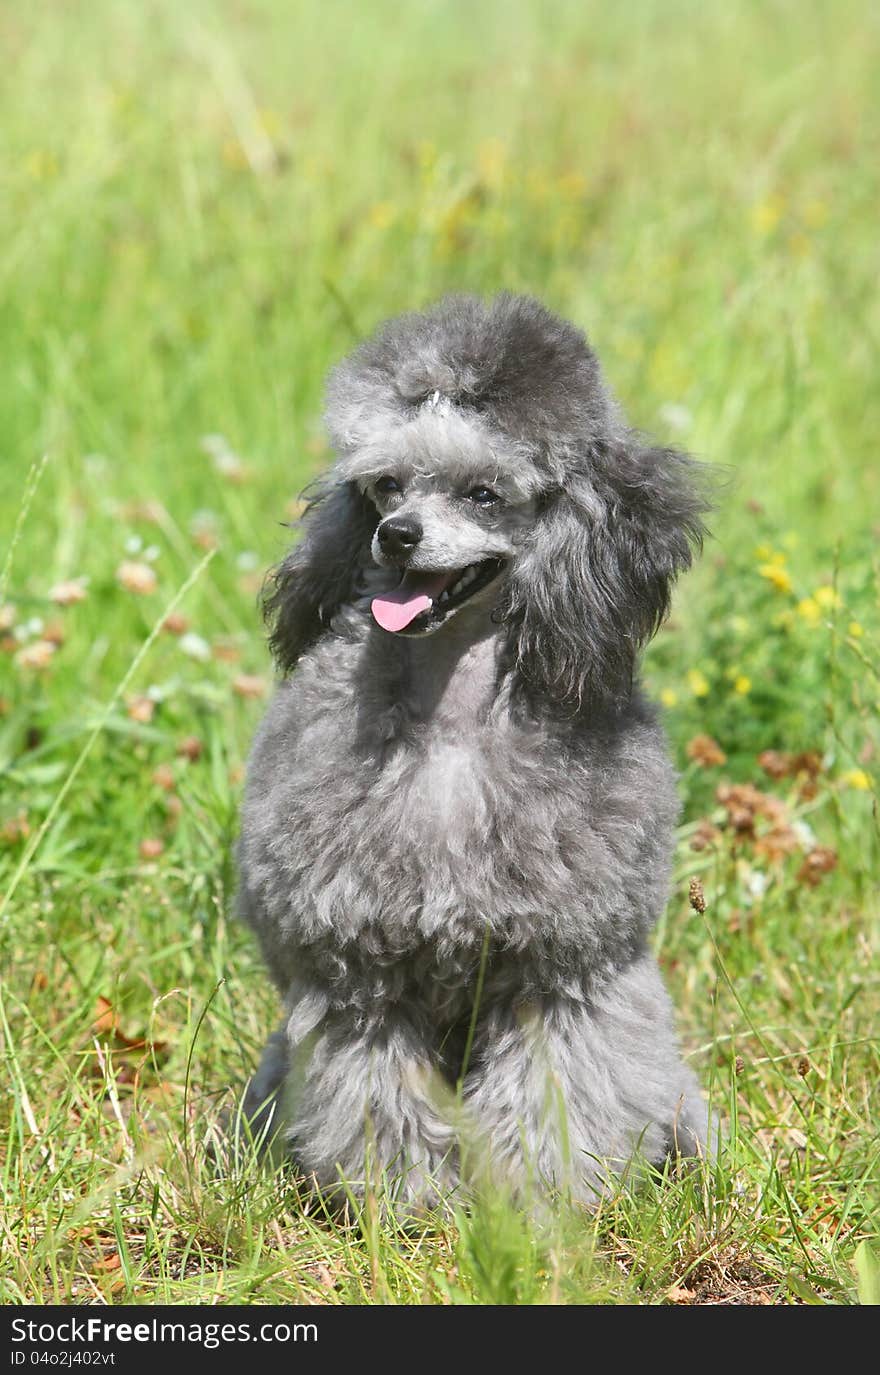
394 610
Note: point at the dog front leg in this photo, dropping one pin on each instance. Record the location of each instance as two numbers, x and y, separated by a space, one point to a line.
565 1091
369 1107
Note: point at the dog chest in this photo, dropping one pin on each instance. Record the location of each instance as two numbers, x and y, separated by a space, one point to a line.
431 835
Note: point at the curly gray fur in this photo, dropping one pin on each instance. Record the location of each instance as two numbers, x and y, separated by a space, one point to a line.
482 805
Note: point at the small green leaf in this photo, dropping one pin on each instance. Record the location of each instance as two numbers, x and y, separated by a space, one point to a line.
867 1266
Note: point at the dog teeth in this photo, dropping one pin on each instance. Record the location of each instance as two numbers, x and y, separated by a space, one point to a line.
461 583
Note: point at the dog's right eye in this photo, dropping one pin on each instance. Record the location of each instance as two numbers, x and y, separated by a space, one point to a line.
387 486
483 496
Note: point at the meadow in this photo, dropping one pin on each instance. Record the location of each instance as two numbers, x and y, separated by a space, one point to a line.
203 207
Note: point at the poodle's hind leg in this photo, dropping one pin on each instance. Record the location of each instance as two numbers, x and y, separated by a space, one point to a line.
372 1108
564 1092
262 1116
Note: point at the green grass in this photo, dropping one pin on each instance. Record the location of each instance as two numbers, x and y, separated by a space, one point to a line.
202 206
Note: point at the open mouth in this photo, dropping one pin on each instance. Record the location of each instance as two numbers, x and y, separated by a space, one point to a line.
422 601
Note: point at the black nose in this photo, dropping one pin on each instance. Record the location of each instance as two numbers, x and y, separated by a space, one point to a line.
398 535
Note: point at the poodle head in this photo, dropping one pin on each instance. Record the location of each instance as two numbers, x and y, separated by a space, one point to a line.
484 465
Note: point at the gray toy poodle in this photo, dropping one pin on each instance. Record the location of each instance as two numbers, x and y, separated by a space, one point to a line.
459 811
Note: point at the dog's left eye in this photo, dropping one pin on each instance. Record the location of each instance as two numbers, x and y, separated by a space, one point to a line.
387 486
483 496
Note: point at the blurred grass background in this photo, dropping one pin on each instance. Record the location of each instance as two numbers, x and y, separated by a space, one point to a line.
203 206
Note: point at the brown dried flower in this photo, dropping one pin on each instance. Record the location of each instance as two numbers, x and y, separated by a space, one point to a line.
139 578
36 656
225 651
67 592
140 709
175 624
819 862
190 747
705 836
15 828
745 804
774 763
705 751
696 896
779 841
163 777
806 765
249 685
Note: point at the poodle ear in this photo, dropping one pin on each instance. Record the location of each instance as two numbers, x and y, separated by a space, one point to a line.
319 574
594 579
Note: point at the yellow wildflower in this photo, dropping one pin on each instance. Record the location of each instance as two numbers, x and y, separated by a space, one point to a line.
810 609
777 575
233 154
767 554
827 597
382 215
427 155
697 682
453 224
270 122
766 214
41 165
668 697
492 161
564 228
537 185
799 245
815 214
855 630
572 185
666 369
743 685
857 778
